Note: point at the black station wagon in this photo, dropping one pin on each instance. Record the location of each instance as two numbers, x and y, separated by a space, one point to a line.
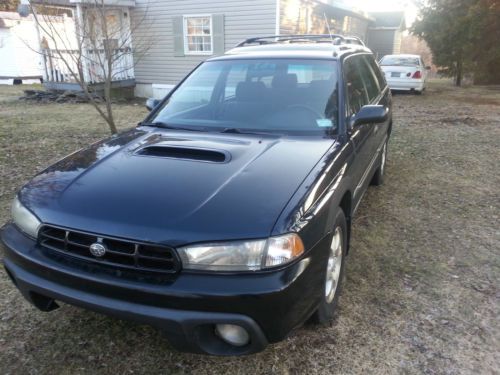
224 217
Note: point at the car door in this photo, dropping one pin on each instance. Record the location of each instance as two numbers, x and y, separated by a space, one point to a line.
382 96
374 135
359 136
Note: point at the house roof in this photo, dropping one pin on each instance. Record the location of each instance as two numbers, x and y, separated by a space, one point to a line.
9 19
120 3
389 20
9 16
346 9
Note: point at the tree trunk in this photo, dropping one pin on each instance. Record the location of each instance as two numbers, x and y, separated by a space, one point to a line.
110 120
109 110
458 78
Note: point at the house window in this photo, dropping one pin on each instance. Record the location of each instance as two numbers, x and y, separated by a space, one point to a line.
198 35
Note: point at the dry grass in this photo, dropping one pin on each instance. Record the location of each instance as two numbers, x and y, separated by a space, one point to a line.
422 290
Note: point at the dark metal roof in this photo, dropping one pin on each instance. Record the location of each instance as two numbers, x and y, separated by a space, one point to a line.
389 19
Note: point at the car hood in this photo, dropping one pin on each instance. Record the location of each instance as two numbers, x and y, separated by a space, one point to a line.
158 186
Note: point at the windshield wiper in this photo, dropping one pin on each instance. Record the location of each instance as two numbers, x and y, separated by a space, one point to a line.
241 131
160 124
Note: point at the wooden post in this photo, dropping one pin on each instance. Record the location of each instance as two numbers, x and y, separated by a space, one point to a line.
80 30
127 59
51 75
41 50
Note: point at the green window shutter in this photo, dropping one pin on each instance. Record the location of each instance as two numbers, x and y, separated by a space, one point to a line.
218 34
178 31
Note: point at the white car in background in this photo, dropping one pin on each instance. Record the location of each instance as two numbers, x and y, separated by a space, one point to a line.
405 72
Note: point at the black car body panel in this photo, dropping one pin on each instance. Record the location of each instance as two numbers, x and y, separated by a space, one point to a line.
83 188
170 187
276 301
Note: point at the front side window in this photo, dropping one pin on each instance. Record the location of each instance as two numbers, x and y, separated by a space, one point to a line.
198 35
361 82
357 96
271 95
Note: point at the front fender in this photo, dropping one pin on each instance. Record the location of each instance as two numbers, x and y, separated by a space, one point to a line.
312 209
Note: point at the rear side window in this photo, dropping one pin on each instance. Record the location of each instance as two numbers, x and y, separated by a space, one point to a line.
376 70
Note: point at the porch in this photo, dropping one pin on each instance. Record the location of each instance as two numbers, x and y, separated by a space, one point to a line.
80 42
59 65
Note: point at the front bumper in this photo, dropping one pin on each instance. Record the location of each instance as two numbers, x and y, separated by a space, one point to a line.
267 304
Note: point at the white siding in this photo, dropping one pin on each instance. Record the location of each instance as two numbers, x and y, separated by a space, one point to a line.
17 57
242 19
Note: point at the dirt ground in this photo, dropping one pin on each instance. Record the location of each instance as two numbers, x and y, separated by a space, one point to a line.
422 291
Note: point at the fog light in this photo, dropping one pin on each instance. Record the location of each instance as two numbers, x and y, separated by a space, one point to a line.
232 334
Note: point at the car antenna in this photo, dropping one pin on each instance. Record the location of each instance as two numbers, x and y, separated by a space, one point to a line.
328 27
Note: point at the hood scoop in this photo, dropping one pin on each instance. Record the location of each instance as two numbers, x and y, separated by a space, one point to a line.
185 153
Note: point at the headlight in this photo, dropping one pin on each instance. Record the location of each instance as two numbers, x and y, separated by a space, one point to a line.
24 219
242 255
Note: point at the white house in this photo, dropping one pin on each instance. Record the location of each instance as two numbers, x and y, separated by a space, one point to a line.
160 41
19 61
59 25
185 32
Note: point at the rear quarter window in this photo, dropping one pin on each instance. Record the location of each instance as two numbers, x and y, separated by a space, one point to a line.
369 79
377 71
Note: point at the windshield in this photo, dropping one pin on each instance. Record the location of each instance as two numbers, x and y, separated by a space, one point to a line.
400 61
271 95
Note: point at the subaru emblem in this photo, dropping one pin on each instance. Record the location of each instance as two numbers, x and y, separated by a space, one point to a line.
98 249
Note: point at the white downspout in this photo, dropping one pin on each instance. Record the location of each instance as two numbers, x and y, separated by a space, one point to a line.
24 9
278 16
80 30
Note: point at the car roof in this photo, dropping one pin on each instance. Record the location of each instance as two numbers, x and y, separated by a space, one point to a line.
295 46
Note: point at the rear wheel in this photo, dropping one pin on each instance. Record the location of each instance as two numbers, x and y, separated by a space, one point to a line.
378 177
334 271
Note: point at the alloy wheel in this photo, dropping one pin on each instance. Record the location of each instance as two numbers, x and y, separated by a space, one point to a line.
334 265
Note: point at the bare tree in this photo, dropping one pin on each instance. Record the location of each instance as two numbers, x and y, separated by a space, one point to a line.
95 50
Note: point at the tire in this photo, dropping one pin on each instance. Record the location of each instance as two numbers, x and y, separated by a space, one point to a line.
330 296
378 177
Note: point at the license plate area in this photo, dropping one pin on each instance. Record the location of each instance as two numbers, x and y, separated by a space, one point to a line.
395 75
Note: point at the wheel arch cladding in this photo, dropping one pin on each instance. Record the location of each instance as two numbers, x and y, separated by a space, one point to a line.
346 206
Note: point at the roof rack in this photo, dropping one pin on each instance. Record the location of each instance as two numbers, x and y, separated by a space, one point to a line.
356 39
335 39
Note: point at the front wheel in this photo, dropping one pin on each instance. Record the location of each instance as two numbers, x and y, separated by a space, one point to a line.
334 271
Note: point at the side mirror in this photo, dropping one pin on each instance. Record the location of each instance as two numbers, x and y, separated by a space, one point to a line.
151 103
428 68
370 114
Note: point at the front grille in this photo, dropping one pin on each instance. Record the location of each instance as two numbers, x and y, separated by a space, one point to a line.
120 253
